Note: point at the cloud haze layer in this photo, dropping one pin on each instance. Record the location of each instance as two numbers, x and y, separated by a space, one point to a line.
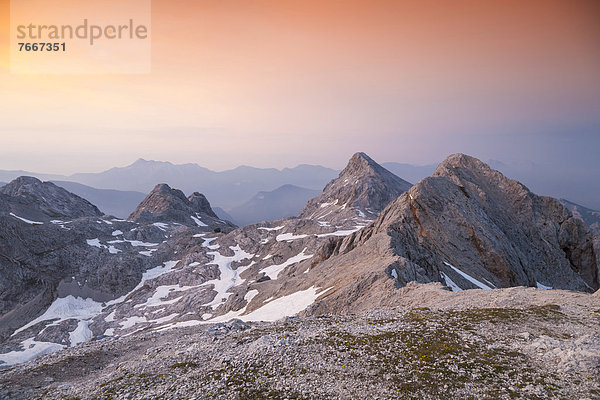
275 84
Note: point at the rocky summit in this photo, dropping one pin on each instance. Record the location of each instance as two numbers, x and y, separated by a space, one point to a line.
467 226
454 279
167 205
44 200
361 191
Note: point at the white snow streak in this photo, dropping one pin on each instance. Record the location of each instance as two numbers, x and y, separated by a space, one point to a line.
26 220
468 277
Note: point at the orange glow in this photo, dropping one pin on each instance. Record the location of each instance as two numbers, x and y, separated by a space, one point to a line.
241 79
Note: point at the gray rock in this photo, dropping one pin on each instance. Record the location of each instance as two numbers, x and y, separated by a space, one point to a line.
167 205
360 192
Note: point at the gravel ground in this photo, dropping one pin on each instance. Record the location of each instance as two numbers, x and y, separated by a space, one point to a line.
533 352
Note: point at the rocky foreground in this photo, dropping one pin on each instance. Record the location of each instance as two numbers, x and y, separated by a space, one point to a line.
503 343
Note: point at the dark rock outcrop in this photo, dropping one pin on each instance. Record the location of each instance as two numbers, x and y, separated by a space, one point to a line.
167 205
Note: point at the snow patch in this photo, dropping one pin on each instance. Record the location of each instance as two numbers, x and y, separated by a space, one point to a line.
289 236
468 277
274 270
540 286
250 295
81 334
197 220
161 225
26 220
450 283
345 232
228 276
31 350
65 308
113 250
94 243
271 229
279 308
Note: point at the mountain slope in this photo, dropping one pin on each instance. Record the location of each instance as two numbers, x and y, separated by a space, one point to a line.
467 226
51 200
361 190
285 201
112 202
166 205
590 217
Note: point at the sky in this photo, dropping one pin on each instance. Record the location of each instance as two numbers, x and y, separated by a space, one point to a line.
273 83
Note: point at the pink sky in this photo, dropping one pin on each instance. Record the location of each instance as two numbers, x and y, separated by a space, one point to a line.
277 83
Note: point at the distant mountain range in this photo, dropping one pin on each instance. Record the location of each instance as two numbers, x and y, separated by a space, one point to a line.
226 189
237 187
285 201
118 203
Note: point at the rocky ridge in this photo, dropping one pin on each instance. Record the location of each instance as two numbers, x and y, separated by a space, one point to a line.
359 193
318 265
166 205
44 200
468 227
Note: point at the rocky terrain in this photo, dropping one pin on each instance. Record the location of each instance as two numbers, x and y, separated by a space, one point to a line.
363 189
57 249
590 217
174 269
501 344
167 205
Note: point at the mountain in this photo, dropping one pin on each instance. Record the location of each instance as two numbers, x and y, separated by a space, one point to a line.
361 191
49 199
111 202
556 179
48 238
467 226
224 215
166 205
590 217
285 201
62 261
122 282
227 189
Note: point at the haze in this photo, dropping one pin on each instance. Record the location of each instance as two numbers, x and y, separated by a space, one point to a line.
276 84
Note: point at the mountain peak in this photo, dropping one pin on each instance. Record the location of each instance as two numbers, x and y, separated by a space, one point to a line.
201 204
165 204
362 162
52 200
461 161
361 190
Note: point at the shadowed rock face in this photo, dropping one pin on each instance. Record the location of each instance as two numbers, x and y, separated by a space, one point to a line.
363 189
468 221
164 204
590 217
49 199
